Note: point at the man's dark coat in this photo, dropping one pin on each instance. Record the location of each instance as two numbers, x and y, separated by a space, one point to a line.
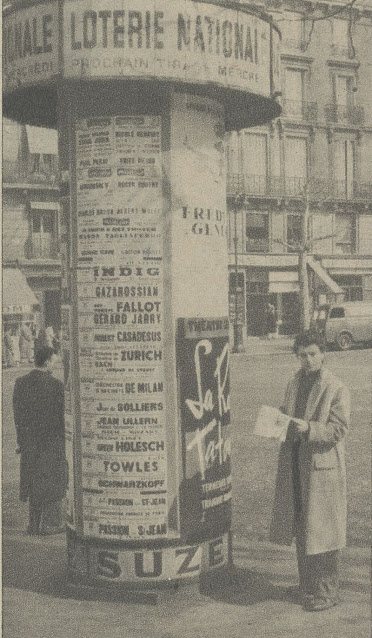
38 404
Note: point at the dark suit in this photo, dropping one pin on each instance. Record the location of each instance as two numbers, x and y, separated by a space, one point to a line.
38 404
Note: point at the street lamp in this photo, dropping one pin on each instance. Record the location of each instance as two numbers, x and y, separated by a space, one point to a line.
237 327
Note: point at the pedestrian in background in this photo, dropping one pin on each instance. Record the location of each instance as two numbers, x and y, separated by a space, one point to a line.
15 335
26 343
45 339
38 404
270 321
8 356
310 495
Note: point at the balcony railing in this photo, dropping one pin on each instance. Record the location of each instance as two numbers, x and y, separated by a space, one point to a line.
348 114
262 185
44 247
319 189
255 245
13 175
300 110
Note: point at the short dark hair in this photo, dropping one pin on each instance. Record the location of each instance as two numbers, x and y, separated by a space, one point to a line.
42 355
309 338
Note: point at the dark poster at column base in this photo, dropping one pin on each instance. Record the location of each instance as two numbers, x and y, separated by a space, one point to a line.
204 408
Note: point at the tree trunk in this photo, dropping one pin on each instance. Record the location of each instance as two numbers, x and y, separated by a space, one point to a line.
304 291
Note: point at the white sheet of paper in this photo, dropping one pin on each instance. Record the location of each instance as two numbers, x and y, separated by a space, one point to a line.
271 423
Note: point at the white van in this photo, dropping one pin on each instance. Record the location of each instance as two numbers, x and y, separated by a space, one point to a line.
346 323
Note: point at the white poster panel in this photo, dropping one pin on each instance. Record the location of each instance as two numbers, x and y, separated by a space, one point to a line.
30 45
188 42
199 219
121 326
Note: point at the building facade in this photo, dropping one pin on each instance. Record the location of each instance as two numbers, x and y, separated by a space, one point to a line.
321 144
30 227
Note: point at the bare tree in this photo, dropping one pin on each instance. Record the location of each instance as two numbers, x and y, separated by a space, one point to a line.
304 248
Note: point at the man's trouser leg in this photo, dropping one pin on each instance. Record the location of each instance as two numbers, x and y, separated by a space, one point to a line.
52 514
34 515
318 573
306 575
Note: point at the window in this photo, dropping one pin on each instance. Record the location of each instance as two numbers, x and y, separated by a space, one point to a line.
344 168
257 288
294 92
343 93
257 232
340 37
294 231
48 162
345 234
352 285
337 313
44 234
236 282
295 151
255 162
293 30
35 163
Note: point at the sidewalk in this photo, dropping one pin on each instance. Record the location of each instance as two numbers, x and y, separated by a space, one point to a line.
39 602
258 346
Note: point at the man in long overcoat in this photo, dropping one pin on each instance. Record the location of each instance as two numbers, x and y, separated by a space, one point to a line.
38 404
310 494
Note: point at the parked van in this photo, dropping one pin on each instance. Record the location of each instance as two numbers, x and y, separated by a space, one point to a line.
346 323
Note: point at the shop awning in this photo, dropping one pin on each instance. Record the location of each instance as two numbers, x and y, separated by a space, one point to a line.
43 141
324 276
17 294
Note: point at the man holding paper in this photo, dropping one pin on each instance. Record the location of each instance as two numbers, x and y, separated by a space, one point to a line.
310 494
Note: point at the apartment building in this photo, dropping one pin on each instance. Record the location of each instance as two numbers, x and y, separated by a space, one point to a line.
30 213
322 144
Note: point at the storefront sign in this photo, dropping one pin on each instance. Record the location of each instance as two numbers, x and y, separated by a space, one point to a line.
204 402
121 327
30 45
187 42
145 566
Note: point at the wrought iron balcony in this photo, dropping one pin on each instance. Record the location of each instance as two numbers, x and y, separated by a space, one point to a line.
300 110
319 189
257 245
348 114
44 247
264 186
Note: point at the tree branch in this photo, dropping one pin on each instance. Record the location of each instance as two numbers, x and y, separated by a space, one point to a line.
317 239
348 6
284 243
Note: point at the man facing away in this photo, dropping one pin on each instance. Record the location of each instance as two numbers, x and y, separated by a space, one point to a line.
38 404
310 494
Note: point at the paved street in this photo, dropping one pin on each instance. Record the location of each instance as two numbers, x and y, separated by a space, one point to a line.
39 602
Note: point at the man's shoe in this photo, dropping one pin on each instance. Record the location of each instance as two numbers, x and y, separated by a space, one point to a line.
48 531
298 595
319 604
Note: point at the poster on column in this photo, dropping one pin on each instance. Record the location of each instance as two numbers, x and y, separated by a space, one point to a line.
66 329
120 312
199 220
204 403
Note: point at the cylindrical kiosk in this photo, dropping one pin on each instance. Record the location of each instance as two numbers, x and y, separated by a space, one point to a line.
142 94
